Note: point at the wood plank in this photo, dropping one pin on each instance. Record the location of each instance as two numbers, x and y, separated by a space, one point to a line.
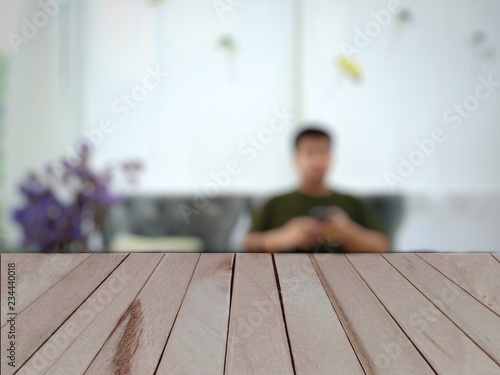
257 342
476 320
36 323
122 314
381 345
74 345
447 349
197 342
475 273
160 299
35 274
311 321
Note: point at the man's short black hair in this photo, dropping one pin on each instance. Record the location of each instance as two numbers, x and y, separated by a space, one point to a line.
314 132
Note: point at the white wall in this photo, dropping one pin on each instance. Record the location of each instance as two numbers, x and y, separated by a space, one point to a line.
194 123
411 78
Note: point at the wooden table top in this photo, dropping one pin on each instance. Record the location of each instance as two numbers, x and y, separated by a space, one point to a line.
253 314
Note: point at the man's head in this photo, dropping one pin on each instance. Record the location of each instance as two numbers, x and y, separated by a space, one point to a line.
312 153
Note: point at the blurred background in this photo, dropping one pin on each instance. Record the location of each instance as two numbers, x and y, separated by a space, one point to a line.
150 124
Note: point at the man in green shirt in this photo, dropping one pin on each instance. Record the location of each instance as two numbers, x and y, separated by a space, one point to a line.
315 217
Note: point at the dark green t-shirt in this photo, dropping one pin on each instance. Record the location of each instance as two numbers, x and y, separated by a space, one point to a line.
279 210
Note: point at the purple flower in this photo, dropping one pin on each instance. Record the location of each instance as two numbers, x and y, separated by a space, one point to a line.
48 223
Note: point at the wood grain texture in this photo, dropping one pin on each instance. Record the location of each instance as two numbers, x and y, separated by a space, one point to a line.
37 322
447 349
476 320
197 342
160 300
35 274
74 345
478 274
254 314
381 345
318 341
257 342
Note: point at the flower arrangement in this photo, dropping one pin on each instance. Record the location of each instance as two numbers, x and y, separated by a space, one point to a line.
229 47
482 46
67 204
346 69
350 68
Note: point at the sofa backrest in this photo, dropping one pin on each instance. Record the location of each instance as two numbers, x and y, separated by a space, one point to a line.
215 222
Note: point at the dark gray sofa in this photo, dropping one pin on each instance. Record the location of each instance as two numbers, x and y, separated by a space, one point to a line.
221 225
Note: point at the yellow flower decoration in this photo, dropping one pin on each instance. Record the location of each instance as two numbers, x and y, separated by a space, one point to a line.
228 45
350 68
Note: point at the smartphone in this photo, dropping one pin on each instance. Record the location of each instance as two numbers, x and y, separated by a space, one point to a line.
321 212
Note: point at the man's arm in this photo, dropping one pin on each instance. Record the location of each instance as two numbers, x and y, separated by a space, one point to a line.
361 240
268 241
353 237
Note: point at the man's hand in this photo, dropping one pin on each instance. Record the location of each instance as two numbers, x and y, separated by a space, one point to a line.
337 228
304 233
299 233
